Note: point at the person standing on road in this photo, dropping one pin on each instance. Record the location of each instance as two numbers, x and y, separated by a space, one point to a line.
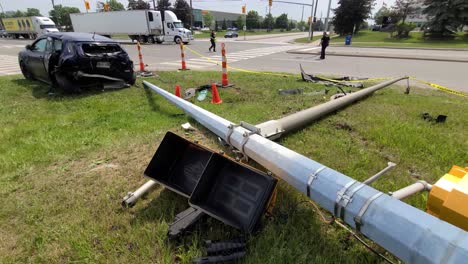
213 40
324 43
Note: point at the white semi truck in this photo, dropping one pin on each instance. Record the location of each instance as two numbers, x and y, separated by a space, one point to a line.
28 27
142 25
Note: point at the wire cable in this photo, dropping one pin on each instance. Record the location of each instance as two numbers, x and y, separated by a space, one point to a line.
333 220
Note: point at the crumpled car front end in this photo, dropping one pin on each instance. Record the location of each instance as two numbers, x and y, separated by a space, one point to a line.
86 64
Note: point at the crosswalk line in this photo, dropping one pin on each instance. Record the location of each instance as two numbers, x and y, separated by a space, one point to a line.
231 57
11 71
9 65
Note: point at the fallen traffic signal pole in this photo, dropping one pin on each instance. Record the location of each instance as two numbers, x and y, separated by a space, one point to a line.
407 232
274 129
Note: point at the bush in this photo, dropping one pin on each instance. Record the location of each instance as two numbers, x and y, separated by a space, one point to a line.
403 29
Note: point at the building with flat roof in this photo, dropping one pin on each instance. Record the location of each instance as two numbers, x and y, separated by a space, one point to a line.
219 17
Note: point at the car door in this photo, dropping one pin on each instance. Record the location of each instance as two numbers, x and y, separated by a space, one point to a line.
170 29
52 54
35 61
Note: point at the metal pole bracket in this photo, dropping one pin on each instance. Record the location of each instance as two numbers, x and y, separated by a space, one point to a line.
252 130
358 218
312 178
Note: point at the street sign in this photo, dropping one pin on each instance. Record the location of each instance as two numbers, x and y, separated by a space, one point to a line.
245 28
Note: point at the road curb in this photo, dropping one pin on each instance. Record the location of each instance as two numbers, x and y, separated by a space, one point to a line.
409 48
380 56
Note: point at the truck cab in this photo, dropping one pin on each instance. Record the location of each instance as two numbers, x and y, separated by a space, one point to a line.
44 25
174 29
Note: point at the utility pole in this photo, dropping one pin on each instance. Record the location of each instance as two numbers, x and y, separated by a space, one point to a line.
302 17
191 17
154 4
311 20
315 13
328 16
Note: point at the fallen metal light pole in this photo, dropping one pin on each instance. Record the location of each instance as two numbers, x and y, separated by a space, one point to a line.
407 232
273 129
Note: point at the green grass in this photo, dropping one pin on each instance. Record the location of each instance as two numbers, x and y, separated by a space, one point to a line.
306 40
67 160
382 39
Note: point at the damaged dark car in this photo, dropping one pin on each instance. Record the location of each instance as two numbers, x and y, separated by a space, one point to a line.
73 61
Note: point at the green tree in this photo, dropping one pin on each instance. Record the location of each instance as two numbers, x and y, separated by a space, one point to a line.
302 25
240 22
163 5
32 12
350 14
115 5
445 17
381 14
291 25
61 15
392 14
182 11
208 20
269 22
19 13
252 19
462 10
404 8
282 21
137 5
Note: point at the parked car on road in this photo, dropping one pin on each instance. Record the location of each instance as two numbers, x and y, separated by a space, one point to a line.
231 34
73 61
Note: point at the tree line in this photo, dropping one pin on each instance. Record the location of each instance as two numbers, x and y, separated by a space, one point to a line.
445 17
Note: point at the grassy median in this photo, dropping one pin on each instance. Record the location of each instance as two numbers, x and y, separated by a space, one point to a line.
415 40
67 160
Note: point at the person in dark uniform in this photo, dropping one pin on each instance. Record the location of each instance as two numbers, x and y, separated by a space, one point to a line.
324 43
213 40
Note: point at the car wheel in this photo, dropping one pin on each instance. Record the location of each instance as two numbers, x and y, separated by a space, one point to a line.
177 40
25 72
65 84
151 40
132 81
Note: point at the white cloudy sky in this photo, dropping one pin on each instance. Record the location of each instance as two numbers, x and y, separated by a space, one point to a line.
293 11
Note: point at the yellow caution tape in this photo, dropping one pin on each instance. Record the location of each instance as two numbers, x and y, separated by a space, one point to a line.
440 87
201 55
360 81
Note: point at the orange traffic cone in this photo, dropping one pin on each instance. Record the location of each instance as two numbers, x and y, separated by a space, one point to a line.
215 99
177 90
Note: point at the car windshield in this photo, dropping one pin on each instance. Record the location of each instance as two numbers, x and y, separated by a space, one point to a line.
178 25
47 26
100 48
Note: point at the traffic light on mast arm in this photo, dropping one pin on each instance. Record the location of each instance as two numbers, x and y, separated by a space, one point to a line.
106 7
270 2
243 9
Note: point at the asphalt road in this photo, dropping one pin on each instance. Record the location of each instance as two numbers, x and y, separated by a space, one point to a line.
269 53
